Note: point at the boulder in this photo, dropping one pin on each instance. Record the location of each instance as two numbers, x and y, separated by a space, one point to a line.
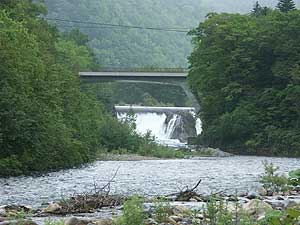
291 203
262 191
103 222
180 210
256 207
150 221
76 221
171 221
176 218
253 195
52 208
2 212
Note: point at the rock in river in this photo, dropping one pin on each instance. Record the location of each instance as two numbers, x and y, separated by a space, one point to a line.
256 207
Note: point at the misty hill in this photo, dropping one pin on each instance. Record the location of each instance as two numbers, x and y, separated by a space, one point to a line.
141 48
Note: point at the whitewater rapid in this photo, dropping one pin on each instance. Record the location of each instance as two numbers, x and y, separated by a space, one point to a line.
169 125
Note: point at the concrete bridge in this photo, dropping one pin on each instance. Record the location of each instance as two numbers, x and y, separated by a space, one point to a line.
168 78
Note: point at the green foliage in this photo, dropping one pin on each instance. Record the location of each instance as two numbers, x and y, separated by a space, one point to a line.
141 48
217 212
258 10
146 94
288 217
271 180
244 73
51 222
162 210
294 177
133 212
46 121
286 5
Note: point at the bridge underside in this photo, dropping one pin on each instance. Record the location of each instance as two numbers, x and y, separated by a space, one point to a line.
177 79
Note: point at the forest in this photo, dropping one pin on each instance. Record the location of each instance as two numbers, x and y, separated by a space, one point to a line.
245 72
135 48
46 121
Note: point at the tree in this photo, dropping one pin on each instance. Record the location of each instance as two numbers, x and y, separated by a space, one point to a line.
258 10
286 5
244 72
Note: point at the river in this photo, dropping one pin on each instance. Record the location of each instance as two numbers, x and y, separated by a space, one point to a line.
155 177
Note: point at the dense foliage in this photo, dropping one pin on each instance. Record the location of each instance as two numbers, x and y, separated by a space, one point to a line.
141 48
146 94
46 122
245 72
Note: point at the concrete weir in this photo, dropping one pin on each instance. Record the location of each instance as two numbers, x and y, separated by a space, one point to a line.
171 126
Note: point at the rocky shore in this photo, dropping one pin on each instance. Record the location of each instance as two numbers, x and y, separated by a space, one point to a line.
191 211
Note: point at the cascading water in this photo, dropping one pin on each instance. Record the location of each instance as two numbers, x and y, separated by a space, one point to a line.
171 126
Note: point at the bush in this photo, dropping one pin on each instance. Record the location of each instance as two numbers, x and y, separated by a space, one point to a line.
162 210
133 213
294 177
271 180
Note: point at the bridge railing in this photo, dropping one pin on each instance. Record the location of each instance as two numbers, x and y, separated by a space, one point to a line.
146 69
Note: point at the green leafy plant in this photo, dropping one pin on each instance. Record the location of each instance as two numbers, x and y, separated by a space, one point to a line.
288 217
217 212
52 222
133 212
162 210
294 177
272 180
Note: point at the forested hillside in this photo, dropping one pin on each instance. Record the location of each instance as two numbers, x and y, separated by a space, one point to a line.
245 72
46 121
135 47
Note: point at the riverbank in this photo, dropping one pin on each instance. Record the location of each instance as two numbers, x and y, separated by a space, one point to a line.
277 199
145 178
105 209
163 154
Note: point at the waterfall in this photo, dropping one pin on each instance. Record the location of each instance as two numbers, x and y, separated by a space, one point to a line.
170 125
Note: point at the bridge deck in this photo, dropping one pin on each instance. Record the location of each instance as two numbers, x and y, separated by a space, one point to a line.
134 74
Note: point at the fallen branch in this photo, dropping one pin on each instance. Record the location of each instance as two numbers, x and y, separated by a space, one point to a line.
186 193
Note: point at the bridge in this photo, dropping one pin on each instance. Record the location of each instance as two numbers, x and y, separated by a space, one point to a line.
168 78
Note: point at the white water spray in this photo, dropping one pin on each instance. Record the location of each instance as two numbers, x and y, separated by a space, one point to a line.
162 122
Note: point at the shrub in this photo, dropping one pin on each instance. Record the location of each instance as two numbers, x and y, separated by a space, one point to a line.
294 177
271 180
162 210
133 213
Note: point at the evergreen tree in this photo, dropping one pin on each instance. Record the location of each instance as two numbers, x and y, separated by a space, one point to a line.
286 5
256 9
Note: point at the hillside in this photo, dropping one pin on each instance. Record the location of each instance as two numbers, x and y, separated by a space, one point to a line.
135 47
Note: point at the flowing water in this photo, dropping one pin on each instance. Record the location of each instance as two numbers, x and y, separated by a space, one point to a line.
171 126
155 177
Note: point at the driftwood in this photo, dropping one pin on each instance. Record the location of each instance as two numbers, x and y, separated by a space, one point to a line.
99 198
185 194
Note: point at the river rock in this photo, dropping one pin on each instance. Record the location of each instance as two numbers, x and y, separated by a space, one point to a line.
180 210
193 200
52 208
256 207
262 191
176 218
150 221
15 222
291 203
253 195
171 221
277 204
2 212
103 222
